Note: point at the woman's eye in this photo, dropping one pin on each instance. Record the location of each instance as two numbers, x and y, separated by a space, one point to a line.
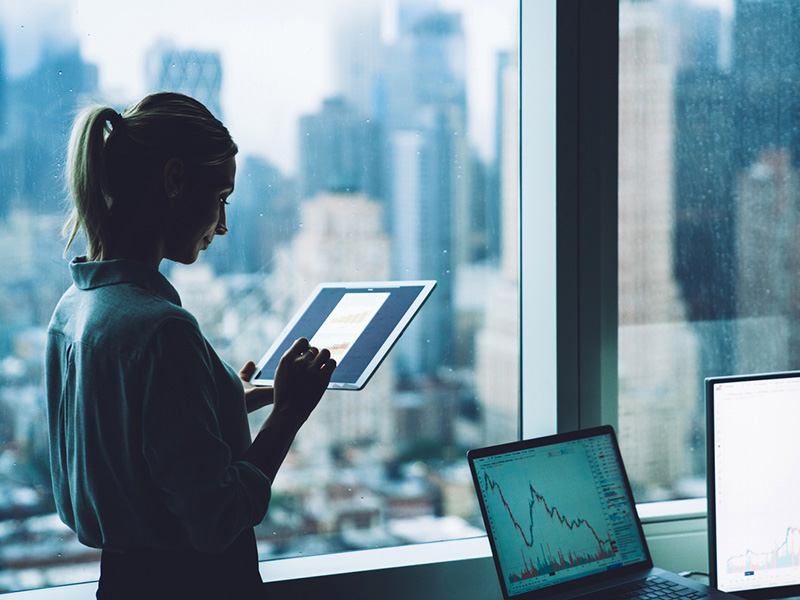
224 201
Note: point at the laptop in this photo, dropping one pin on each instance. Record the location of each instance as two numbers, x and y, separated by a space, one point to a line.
562 522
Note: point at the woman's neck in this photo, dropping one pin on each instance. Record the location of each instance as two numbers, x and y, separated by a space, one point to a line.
134 239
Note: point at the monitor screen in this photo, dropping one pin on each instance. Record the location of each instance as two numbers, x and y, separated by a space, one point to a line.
754 484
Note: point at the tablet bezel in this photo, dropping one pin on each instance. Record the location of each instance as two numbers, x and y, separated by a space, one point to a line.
426 287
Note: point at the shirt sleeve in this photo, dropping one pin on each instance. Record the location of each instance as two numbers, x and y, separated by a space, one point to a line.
213 495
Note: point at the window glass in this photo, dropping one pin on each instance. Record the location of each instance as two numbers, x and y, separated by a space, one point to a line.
708 218
378 140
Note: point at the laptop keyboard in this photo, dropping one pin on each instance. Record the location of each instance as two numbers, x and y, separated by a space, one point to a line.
652 588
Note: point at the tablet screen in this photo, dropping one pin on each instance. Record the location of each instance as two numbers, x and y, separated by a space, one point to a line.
357 322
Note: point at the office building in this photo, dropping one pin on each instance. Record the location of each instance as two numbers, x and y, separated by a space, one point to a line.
196 73
493 185
340 150
3 88
262 216
496 357
342 239
768 204
725 121
358 60
654 341
427 166
39 110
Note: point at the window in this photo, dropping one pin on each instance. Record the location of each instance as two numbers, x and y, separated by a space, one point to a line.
374 144
708 208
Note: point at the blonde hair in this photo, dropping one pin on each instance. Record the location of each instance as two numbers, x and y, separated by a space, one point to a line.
111 156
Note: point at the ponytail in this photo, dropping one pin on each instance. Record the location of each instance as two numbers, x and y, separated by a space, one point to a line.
86 178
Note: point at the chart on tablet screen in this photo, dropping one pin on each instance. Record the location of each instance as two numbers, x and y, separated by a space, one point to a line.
346 322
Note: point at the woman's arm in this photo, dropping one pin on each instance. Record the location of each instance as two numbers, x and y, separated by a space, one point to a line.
300 381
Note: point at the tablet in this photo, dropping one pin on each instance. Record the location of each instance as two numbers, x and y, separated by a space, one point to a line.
357 322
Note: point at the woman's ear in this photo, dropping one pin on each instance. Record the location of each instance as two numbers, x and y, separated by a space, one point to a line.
174 174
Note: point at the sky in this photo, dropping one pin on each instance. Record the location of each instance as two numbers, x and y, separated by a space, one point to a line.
277 60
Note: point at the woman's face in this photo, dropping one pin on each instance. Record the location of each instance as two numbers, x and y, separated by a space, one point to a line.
198 210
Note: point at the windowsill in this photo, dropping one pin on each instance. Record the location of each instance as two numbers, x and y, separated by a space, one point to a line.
674 510
440 552
372 560
311 567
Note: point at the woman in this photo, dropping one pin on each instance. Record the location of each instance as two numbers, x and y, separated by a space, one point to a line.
150 450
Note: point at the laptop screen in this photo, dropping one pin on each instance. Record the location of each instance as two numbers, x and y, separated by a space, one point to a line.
753 461
557 509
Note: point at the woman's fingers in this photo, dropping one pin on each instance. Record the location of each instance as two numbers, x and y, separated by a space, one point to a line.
322 359
247 371
298 348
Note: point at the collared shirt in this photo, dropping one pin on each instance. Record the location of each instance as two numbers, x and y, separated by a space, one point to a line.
148 426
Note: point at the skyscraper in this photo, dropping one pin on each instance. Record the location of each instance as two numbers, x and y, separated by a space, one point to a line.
725 121
39 112
3 86
655 411
339 150
343 239
497 353
262 215
767 299
428 162
196 73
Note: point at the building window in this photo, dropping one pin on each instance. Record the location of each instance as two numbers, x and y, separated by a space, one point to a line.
375 143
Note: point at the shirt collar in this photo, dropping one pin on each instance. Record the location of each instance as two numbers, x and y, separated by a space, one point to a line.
89 275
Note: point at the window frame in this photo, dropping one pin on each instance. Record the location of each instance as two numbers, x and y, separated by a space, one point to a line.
586 153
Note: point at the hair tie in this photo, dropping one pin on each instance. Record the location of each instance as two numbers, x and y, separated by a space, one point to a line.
117 123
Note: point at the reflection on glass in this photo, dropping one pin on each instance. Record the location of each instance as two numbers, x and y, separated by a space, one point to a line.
709 194
374 145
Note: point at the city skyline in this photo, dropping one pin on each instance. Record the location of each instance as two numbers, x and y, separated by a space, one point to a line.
279 46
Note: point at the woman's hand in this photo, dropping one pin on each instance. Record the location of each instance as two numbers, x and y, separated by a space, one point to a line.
301 379
255 397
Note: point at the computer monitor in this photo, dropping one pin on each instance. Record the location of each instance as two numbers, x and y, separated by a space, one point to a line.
754 484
